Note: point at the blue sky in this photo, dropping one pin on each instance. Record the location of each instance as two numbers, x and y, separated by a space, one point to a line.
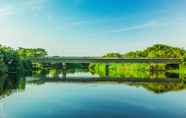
92 27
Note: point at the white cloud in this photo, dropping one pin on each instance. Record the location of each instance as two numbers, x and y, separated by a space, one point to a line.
12 8
6 12
149 24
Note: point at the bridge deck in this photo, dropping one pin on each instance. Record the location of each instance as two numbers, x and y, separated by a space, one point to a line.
106 60
98 79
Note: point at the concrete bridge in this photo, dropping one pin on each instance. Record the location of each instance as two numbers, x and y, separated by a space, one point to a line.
106 61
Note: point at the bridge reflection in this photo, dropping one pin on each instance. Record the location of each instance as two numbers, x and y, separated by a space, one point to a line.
10 84
156 86
157 81
55 73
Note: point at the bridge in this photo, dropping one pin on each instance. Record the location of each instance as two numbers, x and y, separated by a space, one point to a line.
107 61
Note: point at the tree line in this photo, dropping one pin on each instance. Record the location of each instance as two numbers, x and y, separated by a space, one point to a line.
14 60
155 51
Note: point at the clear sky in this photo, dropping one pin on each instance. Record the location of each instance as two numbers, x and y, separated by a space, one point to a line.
92 27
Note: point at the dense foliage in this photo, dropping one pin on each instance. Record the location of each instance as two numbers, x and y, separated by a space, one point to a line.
158 51
113 55
155 51
13 60
30 52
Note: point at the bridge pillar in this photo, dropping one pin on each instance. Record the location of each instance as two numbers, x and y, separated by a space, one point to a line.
64 70
181 70
107 74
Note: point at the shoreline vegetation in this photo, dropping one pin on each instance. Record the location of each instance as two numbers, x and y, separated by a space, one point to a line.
155 51
16 60
15 66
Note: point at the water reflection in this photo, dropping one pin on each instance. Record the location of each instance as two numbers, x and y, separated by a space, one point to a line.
48 94
84 73
161 87
10 84
155 87
157 81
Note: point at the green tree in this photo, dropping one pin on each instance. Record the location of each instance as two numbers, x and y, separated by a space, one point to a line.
113 55
30 52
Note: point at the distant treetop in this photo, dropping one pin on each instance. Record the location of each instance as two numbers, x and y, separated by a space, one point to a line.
155 51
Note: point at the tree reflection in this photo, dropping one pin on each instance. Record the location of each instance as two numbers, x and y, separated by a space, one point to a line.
15 82
11 83
161 87
155 81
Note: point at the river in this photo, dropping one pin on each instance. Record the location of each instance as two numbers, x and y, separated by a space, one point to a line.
46 97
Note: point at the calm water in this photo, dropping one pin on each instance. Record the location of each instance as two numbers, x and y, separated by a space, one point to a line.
59 99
